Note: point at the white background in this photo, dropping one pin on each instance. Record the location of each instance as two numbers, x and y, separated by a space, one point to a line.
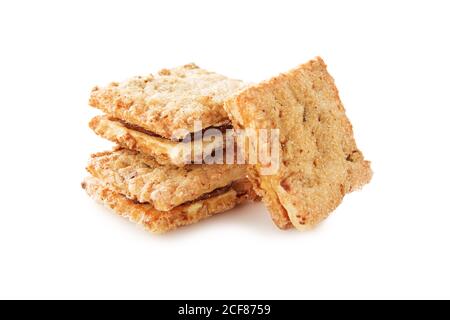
391 63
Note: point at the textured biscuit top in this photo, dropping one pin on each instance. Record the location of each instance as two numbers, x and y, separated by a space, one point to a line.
169 101
319 159
141 178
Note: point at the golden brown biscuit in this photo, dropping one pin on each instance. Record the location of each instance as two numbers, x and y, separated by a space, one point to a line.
164 151
160 222
319 159
169 101
142 179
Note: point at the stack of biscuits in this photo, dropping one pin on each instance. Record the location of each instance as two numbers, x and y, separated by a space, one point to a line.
154 119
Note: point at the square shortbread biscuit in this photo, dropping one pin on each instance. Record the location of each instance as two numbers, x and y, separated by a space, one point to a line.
164 151
158 221
170 101
319 159
140 178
